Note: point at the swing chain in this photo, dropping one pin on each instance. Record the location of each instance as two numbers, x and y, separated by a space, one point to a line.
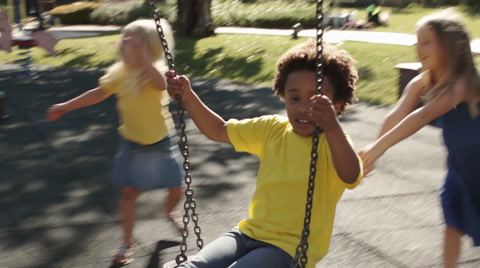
163 40
189 204
301 257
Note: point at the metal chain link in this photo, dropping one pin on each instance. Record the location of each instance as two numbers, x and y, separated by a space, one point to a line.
189 204
161 35
301 258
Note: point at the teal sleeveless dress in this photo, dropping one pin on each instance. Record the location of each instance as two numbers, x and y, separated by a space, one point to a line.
460 194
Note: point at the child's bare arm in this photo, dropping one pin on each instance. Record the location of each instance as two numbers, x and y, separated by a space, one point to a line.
344 157
155 76
405 105
412 123
88 98
210 124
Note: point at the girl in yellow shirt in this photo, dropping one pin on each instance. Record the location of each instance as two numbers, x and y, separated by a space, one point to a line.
147 157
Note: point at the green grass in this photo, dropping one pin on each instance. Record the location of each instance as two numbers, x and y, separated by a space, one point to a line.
243 58
251 58
404 20
90 52
378 78
278 14
246 58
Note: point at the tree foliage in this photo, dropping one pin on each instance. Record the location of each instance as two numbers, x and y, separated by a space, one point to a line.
471 5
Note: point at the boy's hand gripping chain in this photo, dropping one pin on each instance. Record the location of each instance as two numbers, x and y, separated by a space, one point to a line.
301 258
190 203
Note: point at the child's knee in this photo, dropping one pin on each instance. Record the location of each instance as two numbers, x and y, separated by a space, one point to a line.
453 232
129 193
175 193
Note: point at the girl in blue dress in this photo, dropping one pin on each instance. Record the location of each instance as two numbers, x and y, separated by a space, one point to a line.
450 87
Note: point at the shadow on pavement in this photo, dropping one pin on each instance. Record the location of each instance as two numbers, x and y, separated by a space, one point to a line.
155 259
55 188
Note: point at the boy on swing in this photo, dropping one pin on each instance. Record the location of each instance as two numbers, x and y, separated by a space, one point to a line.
269 237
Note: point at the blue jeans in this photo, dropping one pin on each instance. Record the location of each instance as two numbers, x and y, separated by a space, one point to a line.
236 250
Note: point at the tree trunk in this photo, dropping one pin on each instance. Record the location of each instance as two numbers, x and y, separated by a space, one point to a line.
194 18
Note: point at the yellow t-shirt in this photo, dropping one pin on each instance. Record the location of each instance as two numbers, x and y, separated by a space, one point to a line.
277 209
144 117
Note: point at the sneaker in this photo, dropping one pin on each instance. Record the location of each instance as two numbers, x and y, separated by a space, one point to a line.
125 254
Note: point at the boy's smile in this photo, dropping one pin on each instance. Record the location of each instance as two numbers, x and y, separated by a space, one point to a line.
299 88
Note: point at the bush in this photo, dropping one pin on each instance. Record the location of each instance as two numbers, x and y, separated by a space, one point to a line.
114 12
468 6
119 13
281 15
471 6
75 13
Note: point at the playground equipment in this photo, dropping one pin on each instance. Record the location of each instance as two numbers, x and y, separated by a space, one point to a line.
300 260
25 38
25 60
190 203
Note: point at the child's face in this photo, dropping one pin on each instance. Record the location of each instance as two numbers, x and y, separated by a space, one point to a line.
429 50
131 47
299 88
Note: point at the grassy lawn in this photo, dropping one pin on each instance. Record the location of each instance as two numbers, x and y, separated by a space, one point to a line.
256 64
404 20
251 59
244 58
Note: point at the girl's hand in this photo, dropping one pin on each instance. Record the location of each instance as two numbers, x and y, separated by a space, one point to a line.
369 155
177 85
323 112
55 111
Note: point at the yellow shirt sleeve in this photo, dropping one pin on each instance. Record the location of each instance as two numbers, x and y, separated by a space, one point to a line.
249 135
109 83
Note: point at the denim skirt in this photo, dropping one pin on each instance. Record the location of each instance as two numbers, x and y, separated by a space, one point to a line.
148 167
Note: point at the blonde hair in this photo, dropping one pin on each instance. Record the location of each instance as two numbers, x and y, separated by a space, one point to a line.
119 75
455 43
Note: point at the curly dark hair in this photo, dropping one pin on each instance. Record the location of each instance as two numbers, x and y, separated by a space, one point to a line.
337 66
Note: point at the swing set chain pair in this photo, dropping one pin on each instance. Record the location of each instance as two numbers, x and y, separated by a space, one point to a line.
190 204
301 258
